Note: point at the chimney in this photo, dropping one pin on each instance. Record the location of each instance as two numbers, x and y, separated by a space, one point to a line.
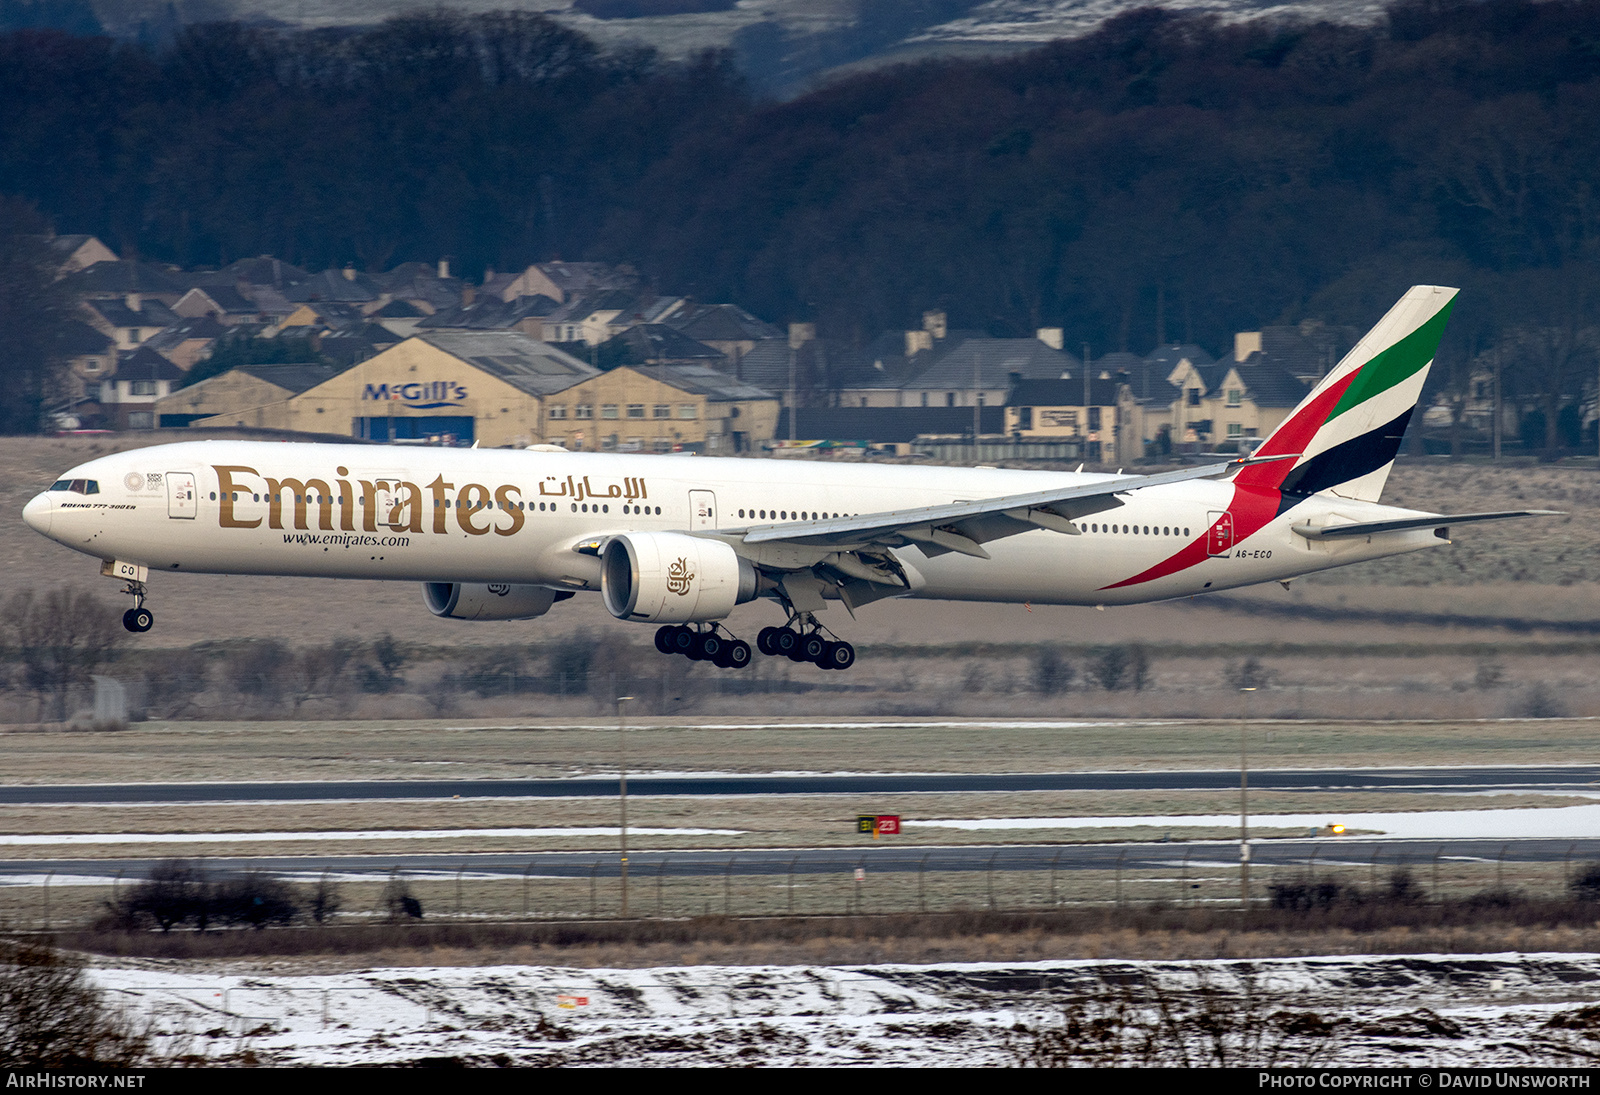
801 333
918 340
1053 337
349 272
134 301
469 293
1246 343
934 323
444 269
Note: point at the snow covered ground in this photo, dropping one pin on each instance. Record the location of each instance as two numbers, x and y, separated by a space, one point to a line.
1505 1009
1574 822
1025 22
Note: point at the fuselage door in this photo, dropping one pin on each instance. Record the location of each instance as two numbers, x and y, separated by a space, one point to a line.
181 498
386 493
1219 538
702 510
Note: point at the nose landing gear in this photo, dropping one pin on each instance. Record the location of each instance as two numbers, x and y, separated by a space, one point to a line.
138 619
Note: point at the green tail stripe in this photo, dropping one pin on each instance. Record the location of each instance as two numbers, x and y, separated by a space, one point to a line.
1392 365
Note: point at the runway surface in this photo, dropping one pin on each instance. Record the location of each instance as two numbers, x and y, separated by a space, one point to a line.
1374 855
1577 778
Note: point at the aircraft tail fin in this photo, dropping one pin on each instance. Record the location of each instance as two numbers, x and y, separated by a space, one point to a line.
1348 430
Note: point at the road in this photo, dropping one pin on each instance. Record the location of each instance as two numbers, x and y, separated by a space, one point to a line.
1438 780
1377 856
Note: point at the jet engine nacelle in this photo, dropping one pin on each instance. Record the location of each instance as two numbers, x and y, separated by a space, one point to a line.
494 601
671 578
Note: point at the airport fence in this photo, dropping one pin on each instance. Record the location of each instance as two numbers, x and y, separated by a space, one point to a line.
836 882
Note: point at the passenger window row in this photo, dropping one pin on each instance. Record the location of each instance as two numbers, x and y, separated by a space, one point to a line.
786 515
313 499
1138 530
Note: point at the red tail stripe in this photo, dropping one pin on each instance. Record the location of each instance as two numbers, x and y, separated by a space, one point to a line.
1251 509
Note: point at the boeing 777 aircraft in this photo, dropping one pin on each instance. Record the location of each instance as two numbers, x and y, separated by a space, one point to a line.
506 534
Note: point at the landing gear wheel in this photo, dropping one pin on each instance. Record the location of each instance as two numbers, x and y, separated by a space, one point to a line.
682 641
709 648
839 655
811 648
138 620
735 655
765 641
786 643
664 639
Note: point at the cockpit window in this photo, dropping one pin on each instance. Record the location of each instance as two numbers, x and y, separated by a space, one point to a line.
77 486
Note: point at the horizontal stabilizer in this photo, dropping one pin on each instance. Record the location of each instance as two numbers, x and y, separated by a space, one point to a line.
1406 524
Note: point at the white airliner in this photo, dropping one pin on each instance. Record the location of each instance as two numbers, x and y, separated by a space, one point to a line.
506 534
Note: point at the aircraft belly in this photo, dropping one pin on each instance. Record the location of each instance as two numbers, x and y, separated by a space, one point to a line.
190 548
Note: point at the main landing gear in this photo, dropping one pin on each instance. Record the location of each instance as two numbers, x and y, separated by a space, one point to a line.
138 619
711 645
803 640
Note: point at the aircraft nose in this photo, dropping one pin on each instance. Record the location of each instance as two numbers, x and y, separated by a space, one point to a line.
38 512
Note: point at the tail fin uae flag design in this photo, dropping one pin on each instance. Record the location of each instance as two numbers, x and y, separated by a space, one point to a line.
1348 429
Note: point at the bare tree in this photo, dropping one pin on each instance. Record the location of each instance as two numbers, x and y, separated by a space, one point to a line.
60 638
52 1016
1550 337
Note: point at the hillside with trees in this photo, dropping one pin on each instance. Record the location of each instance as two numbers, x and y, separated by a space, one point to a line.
1168 177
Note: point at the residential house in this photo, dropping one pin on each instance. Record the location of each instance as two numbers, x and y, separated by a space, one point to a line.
91 354
425 287
186 342
981 370
488 313
128 398
349 345
346 286
1067 409
130 320
264 271
656 344
122 278
564 282
398 317
76 252
223 303
1213 407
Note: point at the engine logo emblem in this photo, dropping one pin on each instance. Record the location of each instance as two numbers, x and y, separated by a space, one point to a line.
678 577
499 589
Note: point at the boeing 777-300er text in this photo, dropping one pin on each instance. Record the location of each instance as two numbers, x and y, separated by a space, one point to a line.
506 534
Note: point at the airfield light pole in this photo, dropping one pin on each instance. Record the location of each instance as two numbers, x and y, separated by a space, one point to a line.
622 769
1497 411
1244 802
977 402
1083 453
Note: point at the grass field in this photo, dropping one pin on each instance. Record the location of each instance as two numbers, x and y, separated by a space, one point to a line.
198 751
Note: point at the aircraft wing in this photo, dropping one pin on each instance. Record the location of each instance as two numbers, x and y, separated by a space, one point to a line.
1405 524
965 526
